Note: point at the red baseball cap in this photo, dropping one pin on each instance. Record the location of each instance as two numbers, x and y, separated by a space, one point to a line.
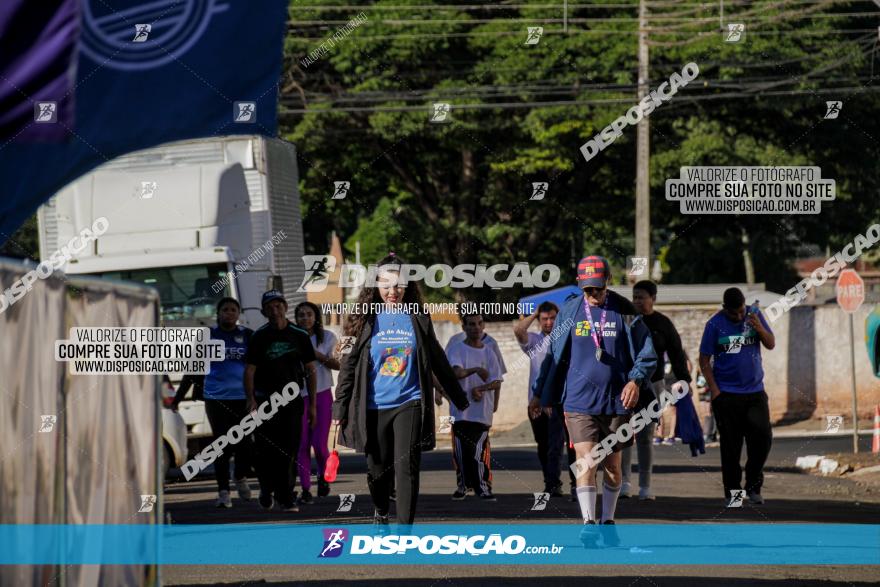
593 271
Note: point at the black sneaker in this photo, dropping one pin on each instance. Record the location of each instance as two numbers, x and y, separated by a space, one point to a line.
555 491
459 495
306 497
266 501
380 524
323 488
288 507
488 496
609 533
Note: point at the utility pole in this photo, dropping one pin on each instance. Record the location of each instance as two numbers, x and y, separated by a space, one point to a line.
643 153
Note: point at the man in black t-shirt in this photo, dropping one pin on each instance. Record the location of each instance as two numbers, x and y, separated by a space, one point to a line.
279 353
666 341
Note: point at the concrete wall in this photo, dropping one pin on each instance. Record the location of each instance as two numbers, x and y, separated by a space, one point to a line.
806 376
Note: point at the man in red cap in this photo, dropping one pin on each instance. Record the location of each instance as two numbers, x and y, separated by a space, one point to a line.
601 354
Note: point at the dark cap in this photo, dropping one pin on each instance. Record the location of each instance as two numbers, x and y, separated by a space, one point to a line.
272 294
593 271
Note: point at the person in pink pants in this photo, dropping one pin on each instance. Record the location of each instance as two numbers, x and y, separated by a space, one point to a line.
308 317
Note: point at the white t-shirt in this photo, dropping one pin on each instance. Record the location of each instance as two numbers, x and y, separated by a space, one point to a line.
487 340
536 347
465 356
325 376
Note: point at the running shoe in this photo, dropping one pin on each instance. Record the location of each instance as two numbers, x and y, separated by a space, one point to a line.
668 441
266 501
306 497
223 500
589 534
380 524
288 507
657 441
459 495
488 496
755 497
609 533
244 490
645 494
323 487
624 490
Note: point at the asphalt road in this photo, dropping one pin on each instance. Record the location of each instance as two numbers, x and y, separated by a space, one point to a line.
688 489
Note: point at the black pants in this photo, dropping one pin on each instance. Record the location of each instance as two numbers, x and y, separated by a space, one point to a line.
743 416
471 456
222 415
394 457
277 444
549 433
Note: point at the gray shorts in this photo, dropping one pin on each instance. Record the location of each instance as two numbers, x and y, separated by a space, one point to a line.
587 428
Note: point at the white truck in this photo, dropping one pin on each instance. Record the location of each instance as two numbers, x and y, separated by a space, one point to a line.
197 220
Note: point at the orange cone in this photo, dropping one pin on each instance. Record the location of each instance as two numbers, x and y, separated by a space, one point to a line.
875 445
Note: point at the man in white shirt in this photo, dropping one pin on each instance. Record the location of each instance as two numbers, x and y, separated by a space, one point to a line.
479 373
549 431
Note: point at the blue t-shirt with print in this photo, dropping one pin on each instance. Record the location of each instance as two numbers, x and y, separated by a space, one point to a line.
394 370
226 378
737 352
594 387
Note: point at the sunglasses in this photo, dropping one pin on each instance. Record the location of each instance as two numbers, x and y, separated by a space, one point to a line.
593 290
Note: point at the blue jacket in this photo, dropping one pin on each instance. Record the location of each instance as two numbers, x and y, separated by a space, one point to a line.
550 384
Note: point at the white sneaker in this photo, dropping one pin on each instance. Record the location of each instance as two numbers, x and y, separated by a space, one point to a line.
244 490
756 498
625 490
223 500
645 494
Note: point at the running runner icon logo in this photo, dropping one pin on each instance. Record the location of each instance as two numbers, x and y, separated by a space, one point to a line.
46 112
736 498
833 424
147 503
534 35
440 112
541 500
47 423
346 500
539 190
141 32
833 109
340 190
244 112
446 423
317 274
639 266
334 542
735 32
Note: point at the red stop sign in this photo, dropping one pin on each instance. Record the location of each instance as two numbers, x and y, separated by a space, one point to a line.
850 290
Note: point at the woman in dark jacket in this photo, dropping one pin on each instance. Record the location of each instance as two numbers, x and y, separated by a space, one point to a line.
384 394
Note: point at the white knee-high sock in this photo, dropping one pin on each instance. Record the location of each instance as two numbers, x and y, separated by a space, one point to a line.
609 501
587 501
